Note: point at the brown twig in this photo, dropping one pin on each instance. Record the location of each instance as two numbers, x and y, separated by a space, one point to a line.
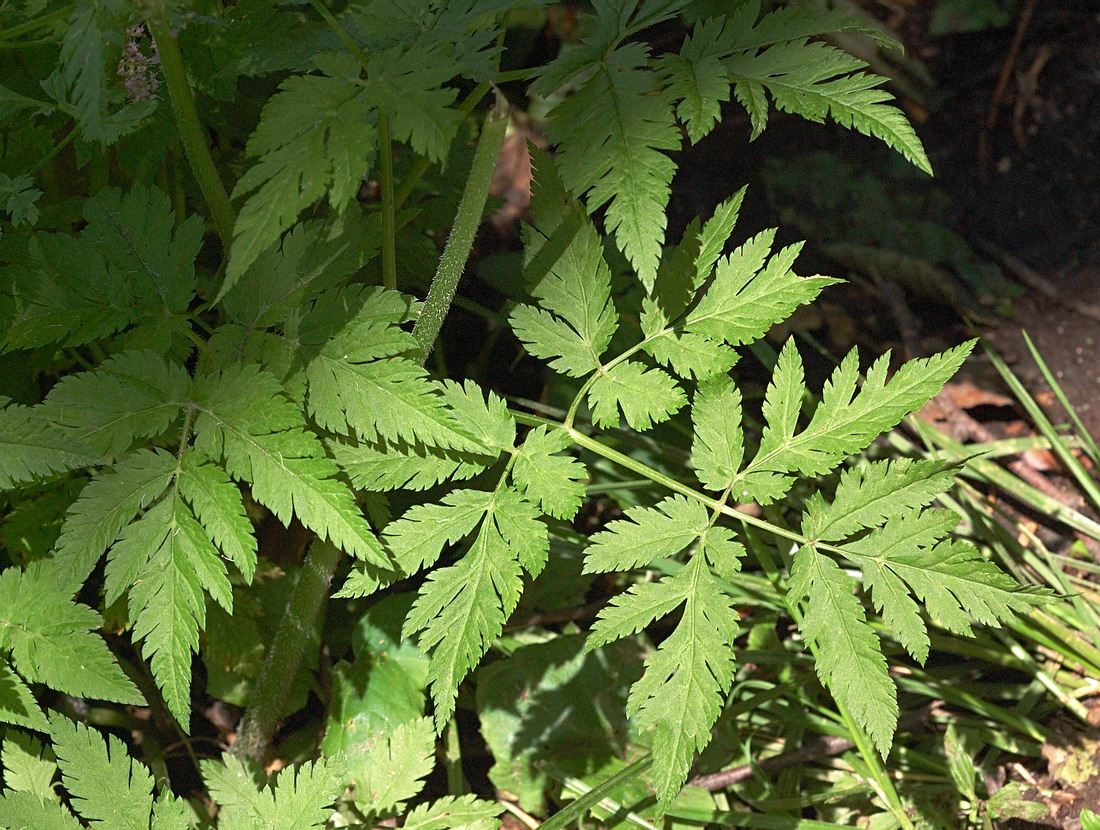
825 746
1002 83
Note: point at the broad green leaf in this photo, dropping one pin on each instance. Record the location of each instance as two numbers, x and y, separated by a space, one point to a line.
848 655
525 728
246 421
382 688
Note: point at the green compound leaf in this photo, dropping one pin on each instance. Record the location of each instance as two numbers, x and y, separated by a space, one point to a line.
681 693
612 134
130 265
130 396
106 505
395 767
952 580
313 139
462 609
645 396
217 505
297 798
246 421
27 810
418 538
464 812
816 80
577 319
648 533
848 656
167 562
358 382
845 421
52 641
555 482
106 785
718 446
869 495
752 292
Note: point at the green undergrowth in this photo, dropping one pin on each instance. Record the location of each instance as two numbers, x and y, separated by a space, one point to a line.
232 485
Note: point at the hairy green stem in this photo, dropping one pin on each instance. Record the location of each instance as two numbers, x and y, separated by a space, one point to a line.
191 132
385 181
268 695
461 240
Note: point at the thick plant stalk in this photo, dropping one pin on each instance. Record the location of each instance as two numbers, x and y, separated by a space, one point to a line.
267 698
190 131
461 240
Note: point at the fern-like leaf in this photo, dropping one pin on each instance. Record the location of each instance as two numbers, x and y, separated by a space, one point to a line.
358 382
245 420
294 800
132 395
313 139
105 783
106 505
130 265
816 80
612 135
464 812
680 694
848 657
31 447
645 396
462 609
17 704
396 764
553 481
845 421
51 638
167 562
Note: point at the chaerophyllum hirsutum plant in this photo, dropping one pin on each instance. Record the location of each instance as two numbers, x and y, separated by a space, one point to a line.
208 327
